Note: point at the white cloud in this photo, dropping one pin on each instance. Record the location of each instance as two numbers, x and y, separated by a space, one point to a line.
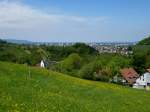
15 13
24 22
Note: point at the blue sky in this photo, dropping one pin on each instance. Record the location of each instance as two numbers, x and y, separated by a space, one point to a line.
75 20
95 7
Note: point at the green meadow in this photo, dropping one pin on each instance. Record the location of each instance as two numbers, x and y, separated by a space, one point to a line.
24 89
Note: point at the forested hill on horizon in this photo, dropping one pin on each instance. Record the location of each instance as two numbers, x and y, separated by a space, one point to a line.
145 41
78 60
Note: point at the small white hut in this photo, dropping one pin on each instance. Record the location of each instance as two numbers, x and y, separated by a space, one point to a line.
42 64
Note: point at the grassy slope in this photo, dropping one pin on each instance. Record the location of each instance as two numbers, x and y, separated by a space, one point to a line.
53 92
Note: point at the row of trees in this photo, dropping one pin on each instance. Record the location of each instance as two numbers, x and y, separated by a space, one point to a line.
105 66
32 54
79 60
102 67
20 54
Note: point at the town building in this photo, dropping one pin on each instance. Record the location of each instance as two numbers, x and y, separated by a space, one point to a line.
143 82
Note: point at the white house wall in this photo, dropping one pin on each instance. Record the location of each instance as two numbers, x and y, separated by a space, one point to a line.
42 64
143 80
147 77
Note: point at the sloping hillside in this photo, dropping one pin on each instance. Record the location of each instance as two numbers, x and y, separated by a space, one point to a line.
145 41
44 91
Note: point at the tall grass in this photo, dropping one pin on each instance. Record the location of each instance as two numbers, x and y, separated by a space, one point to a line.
47 91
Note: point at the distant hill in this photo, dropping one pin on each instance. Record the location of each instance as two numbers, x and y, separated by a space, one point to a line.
47 91
145 41
18 41
3 41
32 55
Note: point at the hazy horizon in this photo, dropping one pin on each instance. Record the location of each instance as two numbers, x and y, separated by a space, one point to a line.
75 21
14 39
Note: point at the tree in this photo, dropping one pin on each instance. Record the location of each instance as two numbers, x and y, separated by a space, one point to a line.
94 71
86 71
117 63
72 63
141 58
145 41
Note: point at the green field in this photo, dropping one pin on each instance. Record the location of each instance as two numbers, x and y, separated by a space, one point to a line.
46 91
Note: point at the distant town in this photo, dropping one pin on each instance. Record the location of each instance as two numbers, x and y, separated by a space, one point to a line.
122 48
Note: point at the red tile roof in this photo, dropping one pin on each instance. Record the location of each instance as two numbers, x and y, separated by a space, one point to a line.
129 74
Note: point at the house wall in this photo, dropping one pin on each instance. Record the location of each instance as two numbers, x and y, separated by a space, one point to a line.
147 77
144 79
42 64
141 80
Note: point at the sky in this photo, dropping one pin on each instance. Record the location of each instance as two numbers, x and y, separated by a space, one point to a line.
75 20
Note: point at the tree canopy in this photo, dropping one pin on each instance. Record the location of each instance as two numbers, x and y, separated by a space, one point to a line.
145 41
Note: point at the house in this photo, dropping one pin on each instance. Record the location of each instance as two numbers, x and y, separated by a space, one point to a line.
118 79
42 64
143 82
129 76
